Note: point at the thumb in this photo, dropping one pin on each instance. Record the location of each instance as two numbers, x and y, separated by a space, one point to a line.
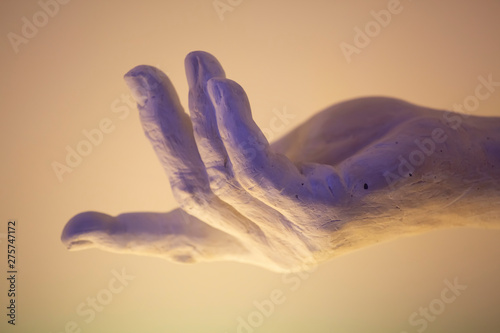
175 236
89 230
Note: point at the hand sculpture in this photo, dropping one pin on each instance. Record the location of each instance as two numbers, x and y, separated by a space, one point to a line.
357 173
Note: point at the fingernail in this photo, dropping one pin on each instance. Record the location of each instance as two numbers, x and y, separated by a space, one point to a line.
201 67
192 65
84 226
80 245
215 90
141 80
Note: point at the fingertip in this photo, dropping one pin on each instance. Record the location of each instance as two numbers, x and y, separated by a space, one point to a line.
85 229
199 53
142 80
148 77
146 71
228 96
191 65
200 67
214 89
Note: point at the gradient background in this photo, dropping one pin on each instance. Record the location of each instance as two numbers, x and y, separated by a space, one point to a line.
285 54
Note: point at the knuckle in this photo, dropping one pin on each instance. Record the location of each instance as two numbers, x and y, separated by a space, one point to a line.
221 186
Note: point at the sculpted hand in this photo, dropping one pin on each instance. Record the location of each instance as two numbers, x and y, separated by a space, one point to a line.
355 174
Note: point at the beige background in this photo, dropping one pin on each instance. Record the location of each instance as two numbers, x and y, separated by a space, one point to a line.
68 78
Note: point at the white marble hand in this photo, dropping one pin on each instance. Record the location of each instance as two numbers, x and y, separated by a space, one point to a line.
355 174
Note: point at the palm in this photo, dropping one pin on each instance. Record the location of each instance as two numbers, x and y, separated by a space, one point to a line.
320 191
